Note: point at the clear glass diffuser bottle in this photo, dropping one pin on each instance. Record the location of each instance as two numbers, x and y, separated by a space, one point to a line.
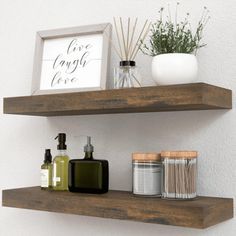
127 75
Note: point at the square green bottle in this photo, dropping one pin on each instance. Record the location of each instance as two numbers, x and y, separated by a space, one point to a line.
60 165
46 171
88 175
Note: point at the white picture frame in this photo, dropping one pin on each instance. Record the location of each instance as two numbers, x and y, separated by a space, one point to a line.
71 59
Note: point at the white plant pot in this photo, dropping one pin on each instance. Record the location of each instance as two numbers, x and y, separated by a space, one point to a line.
174 68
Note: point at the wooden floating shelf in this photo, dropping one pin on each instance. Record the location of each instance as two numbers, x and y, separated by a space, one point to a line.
200 213
198 96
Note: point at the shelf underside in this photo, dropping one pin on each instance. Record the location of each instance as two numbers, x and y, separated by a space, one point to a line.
198 96
200 213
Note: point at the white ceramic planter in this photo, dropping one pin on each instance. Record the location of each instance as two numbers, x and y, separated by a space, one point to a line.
174 68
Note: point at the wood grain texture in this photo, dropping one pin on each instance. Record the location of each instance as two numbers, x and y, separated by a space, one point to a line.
197 96
200 213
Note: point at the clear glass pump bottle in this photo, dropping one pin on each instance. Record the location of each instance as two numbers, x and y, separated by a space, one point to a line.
60 165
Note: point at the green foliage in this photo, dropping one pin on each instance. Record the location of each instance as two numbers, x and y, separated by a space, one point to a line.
175 37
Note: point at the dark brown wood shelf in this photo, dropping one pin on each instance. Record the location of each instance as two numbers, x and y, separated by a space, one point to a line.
198 96
200 213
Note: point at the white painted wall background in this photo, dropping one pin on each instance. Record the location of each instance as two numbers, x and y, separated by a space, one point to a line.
23 139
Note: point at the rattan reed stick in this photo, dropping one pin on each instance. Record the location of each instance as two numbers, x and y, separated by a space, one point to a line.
141 40
118 38
132 37
138 40
127 42
128 46
114 47
123 37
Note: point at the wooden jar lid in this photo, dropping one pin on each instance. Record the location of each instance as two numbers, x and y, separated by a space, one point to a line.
179 154
146 156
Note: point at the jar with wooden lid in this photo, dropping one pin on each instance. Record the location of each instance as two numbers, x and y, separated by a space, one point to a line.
147 174
179 174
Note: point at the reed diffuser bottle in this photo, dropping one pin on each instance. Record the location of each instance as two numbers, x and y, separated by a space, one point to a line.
60 165
127 74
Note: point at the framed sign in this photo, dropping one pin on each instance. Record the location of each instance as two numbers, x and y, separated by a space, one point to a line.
71 59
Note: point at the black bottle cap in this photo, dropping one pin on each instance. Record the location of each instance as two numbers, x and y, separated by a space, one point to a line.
47 156
61 141
127 63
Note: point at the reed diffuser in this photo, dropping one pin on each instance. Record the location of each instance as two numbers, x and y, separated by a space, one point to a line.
129 42
179 174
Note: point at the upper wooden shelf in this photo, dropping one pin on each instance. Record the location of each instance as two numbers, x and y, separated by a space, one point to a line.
198 96
199 213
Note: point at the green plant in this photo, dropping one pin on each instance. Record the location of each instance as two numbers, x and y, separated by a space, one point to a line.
175 37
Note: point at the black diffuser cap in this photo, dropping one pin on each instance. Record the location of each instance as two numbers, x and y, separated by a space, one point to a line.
127 63
47 156
61 141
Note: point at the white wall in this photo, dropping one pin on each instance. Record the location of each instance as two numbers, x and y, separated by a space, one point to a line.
23 139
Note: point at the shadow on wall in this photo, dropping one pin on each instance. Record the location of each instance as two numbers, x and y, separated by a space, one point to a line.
141 130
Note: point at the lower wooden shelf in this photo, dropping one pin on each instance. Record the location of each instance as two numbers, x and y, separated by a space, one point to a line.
200 213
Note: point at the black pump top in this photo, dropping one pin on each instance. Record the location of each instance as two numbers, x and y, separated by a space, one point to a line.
47 156
61 141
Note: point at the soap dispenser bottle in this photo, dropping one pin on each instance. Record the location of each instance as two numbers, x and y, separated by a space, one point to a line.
46 170
88 175
60 165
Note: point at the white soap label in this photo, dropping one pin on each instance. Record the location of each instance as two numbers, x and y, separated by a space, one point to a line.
44 178
55 180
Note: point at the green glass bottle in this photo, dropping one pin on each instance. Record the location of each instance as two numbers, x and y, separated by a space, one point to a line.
60 165
88 175
46 170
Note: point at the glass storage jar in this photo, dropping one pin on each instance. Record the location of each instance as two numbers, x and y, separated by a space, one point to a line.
147 174
126 75
179 174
